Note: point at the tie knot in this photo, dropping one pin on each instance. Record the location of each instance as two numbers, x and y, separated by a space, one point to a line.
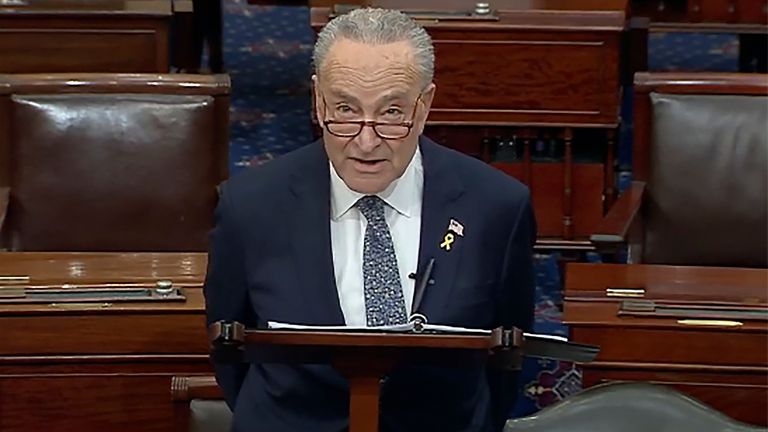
372 207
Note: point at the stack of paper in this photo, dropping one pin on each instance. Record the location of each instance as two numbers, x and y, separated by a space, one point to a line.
403 328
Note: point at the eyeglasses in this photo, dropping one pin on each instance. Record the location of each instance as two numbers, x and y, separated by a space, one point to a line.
351 129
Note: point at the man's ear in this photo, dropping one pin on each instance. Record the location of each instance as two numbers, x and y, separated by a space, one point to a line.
426 100
316 98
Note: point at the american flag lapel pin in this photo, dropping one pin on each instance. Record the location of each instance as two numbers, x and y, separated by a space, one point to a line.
456 227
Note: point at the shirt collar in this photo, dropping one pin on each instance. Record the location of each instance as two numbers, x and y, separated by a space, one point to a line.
402 194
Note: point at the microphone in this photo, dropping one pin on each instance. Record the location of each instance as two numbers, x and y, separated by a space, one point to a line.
417 317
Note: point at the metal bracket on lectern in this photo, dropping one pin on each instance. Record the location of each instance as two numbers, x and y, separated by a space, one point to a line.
508 355
230 333
512 338
228 340
515 345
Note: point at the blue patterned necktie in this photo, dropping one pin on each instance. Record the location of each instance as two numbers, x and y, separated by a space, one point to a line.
384 303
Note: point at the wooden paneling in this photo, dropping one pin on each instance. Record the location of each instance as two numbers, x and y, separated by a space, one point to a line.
166 333
664 345
85 402
546 182
70 36
526 79
34 50
723 15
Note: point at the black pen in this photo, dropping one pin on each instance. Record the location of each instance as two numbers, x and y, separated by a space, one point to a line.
421 286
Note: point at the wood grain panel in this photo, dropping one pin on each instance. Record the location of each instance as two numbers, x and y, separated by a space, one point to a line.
752 11
529 86
104 267
75 36
69 50
676 346
724 285
166 333
5 141
547 184
88 402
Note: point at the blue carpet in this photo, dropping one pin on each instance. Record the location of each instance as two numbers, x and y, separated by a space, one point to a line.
693 52
267 52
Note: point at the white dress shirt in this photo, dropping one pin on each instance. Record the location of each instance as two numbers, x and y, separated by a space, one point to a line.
403 215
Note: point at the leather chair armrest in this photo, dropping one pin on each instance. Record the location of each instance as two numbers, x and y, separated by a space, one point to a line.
615 226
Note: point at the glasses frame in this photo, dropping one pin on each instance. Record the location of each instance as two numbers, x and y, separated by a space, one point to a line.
372 123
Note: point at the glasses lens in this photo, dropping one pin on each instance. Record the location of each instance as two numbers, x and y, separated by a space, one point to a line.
392 131
344 129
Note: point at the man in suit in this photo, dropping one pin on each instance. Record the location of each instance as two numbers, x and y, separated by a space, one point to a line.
331 233
208 30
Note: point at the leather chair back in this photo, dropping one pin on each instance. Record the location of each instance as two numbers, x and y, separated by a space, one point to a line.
628 407
707 181
109 162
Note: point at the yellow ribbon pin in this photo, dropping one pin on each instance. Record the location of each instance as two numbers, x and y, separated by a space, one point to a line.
447 240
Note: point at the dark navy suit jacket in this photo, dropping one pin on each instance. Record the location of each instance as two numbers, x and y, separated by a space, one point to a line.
270 260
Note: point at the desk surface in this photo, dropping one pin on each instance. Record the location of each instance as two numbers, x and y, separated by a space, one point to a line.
505 5
87 268
596 5
86 7
595 15
680 282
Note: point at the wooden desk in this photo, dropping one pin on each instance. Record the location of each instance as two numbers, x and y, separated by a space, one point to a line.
77 36
702 330
302 3
744 16
72 366
747 18
530 75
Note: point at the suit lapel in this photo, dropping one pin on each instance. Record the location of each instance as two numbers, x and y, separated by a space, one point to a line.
311 239
441 203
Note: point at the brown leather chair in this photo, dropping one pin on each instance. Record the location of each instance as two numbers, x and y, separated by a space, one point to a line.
700 195
698 212
628 407
199 405
111 162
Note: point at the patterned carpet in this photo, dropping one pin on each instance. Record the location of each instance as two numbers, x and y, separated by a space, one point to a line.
267 53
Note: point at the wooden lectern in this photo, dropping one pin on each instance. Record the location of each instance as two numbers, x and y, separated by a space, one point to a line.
365 356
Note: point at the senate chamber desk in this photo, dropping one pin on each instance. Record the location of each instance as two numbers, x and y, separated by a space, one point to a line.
747 18
74 364
38 36
701 330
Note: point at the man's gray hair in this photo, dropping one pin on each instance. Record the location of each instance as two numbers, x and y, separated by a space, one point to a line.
375 26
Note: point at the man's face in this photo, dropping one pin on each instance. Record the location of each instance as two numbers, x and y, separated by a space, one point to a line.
378 83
